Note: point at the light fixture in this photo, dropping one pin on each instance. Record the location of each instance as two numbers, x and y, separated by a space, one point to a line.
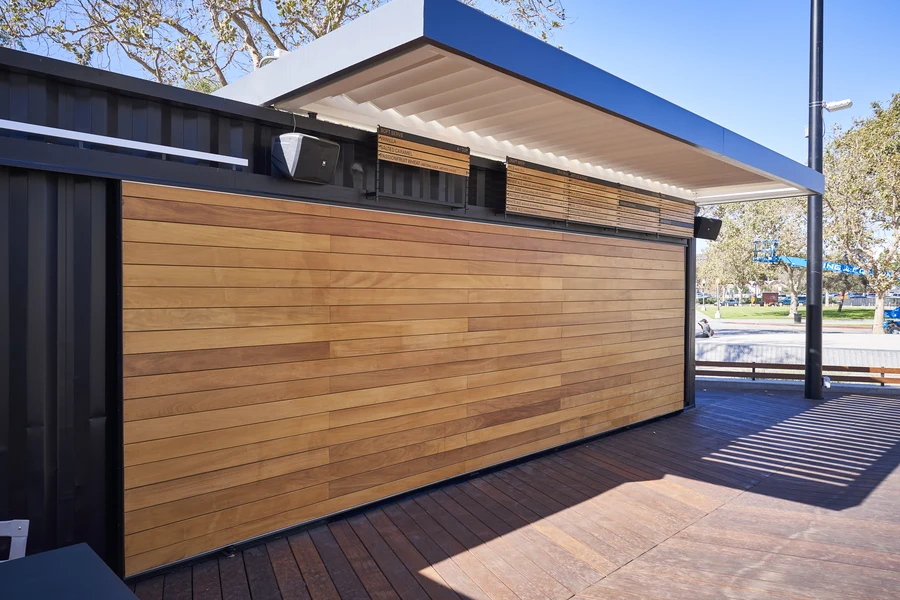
837 105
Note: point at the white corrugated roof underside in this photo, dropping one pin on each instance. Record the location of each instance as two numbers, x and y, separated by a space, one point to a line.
445 96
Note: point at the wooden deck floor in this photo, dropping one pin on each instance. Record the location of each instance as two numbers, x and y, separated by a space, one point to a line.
752 495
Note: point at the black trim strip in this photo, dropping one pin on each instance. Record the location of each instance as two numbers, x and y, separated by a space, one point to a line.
31 154
629 204
115 374
690 302
536 167
676 223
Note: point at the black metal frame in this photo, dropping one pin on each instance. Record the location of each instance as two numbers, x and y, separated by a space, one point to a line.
115 399
813 379
690 310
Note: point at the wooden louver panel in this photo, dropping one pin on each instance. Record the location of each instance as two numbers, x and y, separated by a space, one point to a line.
412 167
559 195
415 151
284 360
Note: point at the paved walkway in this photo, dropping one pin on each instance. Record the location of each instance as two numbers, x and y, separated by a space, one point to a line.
771 343
752 495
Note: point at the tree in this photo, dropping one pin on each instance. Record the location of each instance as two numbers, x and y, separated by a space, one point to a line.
785 221
174 41
842 282
729 258
862 194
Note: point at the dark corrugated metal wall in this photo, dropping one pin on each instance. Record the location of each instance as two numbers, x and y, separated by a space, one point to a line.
58 361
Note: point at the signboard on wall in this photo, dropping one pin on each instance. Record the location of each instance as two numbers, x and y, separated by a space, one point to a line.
536 190
542 191
412 167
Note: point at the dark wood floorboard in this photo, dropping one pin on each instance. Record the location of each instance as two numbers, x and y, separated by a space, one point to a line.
755 494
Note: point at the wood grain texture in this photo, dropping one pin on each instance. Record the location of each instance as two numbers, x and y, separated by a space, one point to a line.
736 499
537 190
284 361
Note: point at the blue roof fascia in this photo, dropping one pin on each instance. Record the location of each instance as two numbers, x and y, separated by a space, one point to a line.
481 37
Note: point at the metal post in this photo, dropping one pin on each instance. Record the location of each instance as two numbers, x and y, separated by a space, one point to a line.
813 386
690 290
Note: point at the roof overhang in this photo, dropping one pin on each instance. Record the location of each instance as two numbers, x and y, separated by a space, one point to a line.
447 71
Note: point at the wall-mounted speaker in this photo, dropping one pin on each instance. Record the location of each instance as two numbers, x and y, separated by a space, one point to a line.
304 157
706 228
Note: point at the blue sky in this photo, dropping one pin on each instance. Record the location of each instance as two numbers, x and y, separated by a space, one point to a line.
743 64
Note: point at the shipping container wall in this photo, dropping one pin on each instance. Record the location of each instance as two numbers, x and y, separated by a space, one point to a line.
284 360
58 359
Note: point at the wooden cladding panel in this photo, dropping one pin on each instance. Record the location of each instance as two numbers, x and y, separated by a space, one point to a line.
559 195
284 361
414 151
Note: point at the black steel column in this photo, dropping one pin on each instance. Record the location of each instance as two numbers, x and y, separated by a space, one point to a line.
813 388
690 301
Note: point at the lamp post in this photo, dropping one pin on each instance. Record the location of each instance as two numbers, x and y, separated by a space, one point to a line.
813 377
718 285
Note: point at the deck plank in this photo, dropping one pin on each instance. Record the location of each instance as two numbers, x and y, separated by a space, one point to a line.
178 585
261 574
205 579
233 578
150 589
343 576
287 572
752 495
318 581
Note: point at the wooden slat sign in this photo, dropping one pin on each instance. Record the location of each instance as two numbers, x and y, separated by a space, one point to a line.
416 151
542 191
533 189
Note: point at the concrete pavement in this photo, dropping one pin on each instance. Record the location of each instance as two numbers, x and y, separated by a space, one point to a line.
774 342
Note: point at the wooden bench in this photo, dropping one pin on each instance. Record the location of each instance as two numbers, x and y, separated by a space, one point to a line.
752 370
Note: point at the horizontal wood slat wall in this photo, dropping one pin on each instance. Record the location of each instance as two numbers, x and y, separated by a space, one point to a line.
542 191
284 361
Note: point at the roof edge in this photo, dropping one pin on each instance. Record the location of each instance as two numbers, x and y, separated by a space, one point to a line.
398 23
477 35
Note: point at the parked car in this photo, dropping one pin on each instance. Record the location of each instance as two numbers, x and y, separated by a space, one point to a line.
731 302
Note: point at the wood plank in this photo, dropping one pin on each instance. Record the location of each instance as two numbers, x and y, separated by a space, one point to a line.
316 576
286 360
425 574
367 570
233 578
287 573
139 342
178 585
205 580
260 574
402 581
342 575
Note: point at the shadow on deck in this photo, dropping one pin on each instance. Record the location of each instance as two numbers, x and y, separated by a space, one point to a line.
753 495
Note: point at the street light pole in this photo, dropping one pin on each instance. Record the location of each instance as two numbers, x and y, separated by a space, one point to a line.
813 384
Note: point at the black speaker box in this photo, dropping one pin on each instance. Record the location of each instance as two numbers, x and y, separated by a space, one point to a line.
304 157
706 228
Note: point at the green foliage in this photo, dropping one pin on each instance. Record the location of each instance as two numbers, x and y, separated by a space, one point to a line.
177 41
780 312
729 258
202 85
862 169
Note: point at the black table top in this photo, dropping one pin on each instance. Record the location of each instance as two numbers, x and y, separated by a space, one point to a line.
71 573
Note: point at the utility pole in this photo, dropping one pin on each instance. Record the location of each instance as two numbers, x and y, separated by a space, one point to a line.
813 385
